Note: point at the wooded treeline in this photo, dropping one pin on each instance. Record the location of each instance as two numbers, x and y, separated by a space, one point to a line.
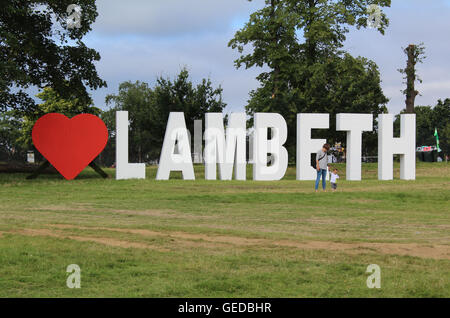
299 44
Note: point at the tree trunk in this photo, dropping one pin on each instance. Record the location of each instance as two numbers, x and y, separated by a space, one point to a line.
411 92
311 46
276 67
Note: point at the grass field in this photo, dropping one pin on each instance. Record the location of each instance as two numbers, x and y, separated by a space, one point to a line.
147 238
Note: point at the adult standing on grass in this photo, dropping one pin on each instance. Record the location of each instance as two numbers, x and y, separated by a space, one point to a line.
321 166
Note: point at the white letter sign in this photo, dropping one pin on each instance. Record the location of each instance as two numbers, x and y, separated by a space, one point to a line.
262 147
225 151
306 146
176 134
125 170
354 125
405 146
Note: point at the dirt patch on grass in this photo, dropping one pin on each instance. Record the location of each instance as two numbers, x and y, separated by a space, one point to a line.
163 213
405 249
365 201
77 207
181 235
101 240
170 214
328 221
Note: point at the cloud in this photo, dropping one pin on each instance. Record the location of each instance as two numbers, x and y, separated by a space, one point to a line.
142 50
411 22
168 17
146 59
139 40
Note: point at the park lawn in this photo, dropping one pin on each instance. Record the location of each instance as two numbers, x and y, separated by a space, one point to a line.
147 238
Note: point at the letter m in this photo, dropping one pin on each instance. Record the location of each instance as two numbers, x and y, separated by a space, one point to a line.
227 151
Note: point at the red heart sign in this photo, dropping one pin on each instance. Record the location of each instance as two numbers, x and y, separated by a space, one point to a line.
70 144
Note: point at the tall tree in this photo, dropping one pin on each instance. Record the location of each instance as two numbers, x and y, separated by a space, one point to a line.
273 33
415 54
136 98
52 102
37 48
441 118
427 120
10 131
149 110
300 43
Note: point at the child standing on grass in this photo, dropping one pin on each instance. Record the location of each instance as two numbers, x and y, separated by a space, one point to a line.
333 180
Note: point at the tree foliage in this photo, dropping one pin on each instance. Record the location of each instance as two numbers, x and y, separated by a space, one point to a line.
149 110
53 103
427 120
10 132
37 49
300 44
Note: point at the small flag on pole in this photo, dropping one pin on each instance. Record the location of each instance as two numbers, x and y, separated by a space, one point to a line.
437 139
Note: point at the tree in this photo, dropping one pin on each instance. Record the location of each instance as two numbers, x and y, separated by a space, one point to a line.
149 110
441 118
427 120
53 103
136 98
38 49
10 147
415 54
425 124
313 73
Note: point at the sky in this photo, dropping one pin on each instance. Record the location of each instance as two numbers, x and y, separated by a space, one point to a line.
144 39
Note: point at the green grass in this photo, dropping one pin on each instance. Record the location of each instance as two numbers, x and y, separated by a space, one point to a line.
225 238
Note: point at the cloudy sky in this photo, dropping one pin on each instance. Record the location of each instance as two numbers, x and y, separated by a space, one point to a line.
143 39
